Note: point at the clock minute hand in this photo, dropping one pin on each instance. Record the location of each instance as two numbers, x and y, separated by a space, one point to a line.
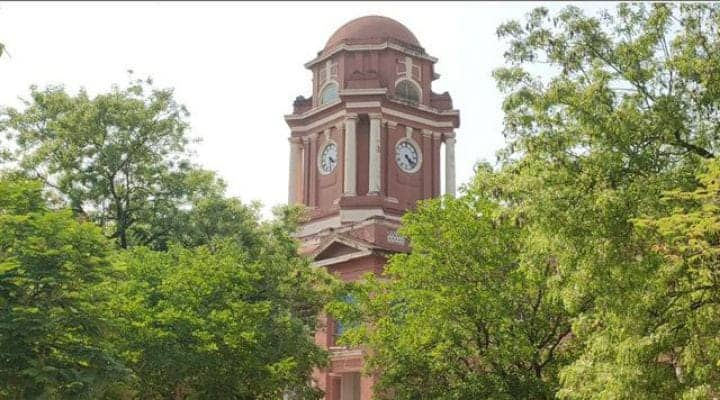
408 158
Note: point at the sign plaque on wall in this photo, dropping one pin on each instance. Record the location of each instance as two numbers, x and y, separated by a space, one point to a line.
393 237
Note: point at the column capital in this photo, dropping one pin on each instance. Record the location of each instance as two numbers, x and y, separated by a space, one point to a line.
375 115
450 140
437 135
351 116
295 140
427 132
391 124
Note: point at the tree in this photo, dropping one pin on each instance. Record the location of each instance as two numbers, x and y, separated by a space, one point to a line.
468 313
221 321
50 337
688 283
626 109
603 115
120 157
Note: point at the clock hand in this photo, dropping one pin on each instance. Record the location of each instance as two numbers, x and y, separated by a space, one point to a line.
408 158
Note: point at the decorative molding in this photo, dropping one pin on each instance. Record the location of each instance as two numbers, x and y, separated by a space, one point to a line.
342 258
319 122
410 117
363 214
312 111
363 104
362 92
369 47
317 226
374 116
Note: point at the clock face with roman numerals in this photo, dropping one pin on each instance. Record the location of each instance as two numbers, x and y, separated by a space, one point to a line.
328 158
407 156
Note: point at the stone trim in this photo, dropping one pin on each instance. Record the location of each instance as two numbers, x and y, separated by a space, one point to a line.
369 47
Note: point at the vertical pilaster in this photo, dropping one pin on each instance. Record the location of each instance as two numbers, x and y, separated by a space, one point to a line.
450 166
374 156
306 170
436 144
313 170
294 169
350 171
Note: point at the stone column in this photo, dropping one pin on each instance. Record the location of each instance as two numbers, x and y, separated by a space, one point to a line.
350 172
295 154
374 159
450 166
306 170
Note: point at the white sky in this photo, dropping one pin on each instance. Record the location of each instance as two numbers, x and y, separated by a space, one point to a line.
239 66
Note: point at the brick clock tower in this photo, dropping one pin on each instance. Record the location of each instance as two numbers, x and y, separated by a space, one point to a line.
364 149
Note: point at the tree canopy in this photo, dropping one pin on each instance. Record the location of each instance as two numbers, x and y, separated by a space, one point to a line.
51 342
121 157
604 115
224 320
126 271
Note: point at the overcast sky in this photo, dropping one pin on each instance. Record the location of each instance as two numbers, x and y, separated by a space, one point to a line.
238 66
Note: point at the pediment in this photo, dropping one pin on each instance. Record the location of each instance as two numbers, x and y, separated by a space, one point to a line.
341 248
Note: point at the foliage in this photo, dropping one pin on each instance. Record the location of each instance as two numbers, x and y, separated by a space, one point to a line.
120 157
688 284
50 335
223 320
602 116
467 314
628 111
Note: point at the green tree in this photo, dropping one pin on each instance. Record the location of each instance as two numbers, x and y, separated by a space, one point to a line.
602 116
626 108
120 157
469 313
220 321
687 284
50 336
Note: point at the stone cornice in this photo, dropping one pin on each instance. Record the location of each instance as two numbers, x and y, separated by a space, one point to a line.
424 115
369 47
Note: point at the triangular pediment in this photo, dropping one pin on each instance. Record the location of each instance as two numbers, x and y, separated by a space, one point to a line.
340 247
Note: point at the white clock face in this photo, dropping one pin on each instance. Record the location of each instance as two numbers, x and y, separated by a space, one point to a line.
328 158
407 156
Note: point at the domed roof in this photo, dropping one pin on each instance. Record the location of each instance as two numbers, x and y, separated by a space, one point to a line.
371 29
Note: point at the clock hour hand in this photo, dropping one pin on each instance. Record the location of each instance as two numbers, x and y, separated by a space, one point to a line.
407 157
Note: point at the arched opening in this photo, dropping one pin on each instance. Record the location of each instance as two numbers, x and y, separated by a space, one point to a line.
329 93
407 90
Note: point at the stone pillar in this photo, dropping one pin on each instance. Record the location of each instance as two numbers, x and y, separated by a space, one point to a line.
450 166
350 172
295 154
306 170
374 159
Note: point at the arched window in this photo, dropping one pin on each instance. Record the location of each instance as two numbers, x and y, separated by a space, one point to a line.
408 91
329 93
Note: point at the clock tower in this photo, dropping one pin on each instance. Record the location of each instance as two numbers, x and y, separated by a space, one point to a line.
364 148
